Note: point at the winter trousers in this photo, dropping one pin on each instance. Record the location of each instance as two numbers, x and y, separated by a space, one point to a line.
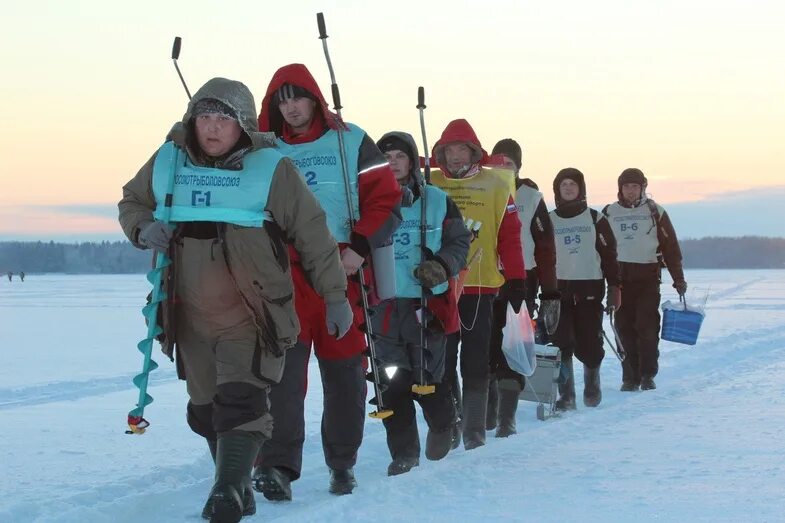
228 372
580 330
476 313
398 345
638 323
343 414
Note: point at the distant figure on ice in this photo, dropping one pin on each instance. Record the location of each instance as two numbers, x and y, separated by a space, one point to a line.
585 260
22 276
646 241
229 312
10 275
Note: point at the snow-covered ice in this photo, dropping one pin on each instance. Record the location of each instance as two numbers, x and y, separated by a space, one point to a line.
707 445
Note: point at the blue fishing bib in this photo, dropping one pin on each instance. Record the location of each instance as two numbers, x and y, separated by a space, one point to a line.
406 241
214 195
320 163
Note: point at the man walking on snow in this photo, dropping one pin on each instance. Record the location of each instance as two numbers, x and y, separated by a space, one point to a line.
396 321
484 195
307 132
645 237
539 252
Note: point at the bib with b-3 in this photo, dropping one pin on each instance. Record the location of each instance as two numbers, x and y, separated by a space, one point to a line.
406 242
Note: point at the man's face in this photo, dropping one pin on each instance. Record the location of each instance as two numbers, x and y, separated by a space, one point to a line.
216 133
400 164
510 164
457 156
298 112
631 192
569 189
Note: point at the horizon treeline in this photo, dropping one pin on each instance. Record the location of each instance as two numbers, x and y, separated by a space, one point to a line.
120 257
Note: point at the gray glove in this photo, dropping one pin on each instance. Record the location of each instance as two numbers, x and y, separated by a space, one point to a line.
430 273
155 235
339 318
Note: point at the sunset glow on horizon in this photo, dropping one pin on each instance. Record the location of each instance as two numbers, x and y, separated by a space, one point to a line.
692 93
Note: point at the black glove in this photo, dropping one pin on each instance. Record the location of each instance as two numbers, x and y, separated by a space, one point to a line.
680 286
431 273
514 291
550 310
155 235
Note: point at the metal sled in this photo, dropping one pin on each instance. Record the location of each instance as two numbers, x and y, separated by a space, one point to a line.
542 387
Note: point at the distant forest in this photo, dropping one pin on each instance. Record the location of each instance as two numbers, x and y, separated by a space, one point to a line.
120 257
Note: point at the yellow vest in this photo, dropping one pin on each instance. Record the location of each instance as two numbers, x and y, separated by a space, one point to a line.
482 197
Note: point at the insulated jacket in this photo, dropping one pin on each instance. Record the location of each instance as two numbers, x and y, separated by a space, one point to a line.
379 192
256 257
455 241
508 252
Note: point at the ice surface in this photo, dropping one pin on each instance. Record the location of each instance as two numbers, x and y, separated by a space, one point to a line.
706 445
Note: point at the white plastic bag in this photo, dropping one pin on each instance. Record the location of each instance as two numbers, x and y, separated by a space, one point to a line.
518 342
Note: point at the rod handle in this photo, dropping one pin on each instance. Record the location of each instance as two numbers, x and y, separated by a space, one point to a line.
176 48
420 97
322 28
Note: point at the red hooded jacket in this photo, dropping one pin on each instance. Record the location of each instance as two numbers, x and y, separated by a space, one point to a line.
379 192
508 244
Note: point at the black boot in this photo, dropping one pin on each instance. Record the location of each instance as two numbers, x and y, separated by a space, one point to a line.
235 455
402 465
509 391
475 403
592 393
491 415
249 503
439 443
647 383
628 386
274 483
566 399
342 481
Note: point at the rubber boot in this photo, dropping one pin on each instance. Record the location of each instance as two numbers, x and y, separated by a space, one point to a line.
628 386
249 503
342 482
566 399
235 455
509 391
592 392
274 483
475 403
439 443
647 383
491 416
402 465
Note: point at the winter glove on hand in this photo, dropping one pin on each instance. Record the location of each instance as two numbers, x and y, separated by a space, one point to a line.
613 301
514 291
339 318
430 274
550 310
680 286
155 235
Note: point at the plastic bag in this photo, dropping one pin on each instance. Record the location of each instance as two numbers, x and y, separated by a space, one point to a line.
518 342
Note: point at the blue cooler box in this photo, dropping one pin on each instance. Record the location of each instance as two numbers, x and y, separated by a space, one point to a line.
681 326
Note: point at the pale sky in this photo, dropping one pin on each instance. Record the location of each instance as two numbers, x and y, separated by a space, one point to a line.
691 92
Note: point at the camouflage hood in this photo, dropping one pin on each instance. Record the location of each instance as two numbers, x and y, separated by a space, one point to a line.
235 95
